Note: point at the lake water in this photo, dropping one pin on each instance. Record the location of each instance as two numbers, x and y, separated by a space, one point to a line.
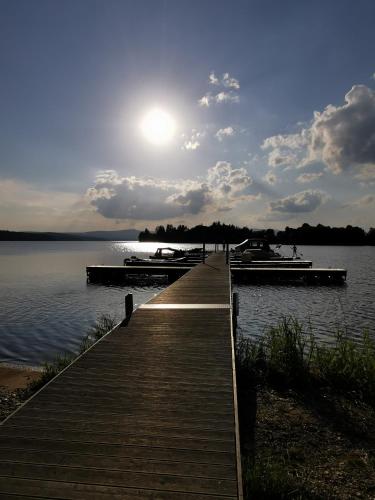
46 306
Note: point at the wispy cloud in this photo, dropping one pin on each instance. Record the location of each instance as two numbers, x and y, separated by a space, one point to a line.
308 177
213 79
226 97
230 82
366 174
193 141
229 86
220 98
25 206
224 132
270 178
226 80
206 100
362 202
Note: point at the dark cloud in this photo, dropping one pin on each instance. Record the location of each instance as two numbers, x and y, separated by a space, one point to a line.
342 137
303 202
192 201
146 198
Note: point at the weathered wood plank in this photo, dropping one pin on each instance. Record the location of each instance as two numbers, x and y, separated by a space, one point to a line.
147 413
77 491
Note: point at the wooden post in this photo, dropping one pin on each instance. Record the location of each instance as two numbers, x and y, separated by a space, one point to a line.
235 311
204 253
227 254
128 306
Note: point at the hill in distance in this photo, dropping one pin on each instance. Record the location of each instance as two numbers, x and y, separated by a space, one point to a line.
121 235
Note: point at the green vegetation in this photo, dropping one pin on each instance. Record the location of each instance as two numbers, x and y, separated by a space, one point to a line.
307 414
102 326
288 356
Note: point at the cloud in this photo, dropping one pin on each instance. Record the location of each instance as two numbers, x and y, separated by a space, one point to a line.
226 97
220 98
193 142
205 101
213 79
366 174
291 141
24 206
365 201
226 81
270 178
146 198
308 177
224 132
342 137
286 150
303 202
228 84
345 136
279 158
192 145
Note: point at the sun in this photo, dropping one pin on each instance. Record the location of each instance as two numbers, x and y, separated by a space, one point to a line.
158 127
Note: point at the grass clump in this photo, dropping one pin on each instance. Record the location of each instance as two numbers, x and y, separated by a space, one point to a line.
348 367
102 326
305 409
289 356
272 481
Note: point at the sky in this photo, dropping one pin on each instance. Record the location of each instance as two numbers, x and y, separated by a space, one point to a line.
130 114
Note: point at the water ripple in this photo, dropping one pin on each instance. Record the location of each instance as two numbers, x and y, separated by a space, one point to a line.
47 306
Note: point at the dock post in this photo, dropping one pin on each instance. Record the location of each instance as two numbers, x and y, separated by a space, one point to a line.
235 311
204 253
227 254
128 306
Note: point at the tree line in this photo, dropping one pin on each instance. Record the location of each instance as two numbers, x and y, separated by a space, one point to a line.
219 233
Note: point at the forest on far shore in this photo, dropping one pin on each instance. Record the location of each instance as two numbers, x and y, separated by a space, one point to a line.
219 233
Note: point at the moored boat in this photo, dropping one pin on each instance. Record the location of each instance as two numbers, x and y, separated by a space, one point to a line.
256 249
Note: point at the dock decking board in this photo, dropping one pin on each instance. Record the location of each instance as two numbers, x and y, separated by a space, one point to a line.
147 413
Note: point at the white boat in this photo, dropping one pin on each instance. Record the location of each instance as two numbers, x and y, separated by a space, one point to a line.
254 249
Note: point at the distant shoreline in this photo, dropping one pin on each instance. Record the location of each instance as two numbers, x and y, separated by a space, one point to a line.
330 244
123 235
217 233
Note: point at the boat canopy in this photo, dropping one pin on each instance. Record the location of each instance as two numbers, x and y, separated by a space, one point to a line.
167 252
252 244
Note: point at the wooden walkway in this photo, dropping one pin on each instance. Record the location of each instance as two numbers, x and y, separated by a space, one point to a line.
149 412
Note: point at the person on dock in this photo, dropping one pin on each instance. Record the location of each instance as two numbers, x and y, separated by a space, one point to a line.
294 248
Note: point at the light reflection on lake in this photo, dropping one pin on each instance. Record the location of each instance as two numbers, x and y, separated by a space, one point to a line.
47 306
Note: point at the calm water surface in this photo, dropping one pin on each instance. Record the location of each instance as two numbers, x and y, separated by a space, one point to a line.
348 307
47 306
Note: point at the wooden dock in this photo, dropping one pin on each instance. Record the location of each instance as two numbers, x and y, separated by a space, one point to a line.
149 412
114 274
309 276
293 264
271 272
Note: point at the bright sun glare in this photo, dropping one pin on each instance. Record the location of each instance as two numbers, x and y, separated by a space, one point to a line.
158 127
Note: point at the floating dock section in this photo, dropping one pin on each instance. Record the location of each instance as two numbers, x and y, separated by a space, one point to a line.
245 272
149 412
308 276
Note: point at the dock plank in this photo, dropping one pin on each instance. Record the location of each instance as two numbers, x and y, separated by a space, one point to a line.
148 412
